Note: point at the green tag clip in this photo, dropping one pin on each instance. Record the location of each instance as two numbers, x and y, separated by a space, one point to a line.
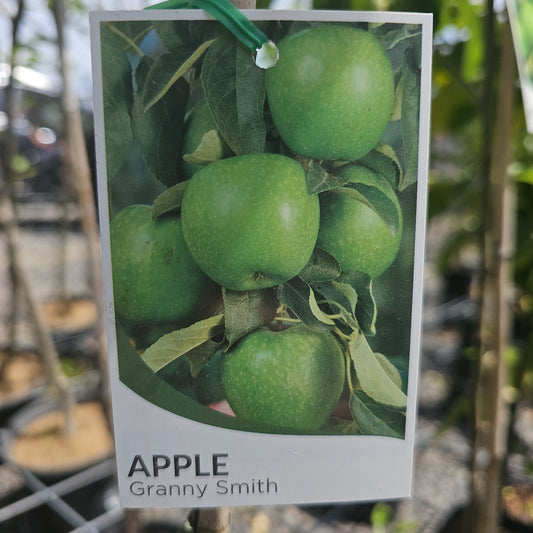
266 52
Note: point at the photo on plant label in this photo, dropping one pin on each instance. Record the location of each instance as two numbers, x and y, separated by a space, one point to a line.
262 221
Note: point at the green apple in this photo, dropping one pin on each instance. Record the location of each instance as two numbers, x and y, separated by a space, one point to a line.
155 279
353 232
199 121
249 222
331 92
291 378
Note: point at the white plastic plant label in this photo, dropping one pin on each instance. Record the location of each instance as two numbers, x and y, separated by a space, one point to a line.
263 236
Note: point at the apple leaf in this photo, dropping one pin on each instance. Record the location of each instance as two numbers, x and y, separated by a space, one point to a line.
396 113
377 200
372 377
200 356
297 295
118 100
396 39
180 342
234 88
169 200
319 179
376 419
410 120
400 34
211 148
390 369
166 71
366 310
171 33
247 311
384 162
350 296
159 130
322 266
341 299
317 312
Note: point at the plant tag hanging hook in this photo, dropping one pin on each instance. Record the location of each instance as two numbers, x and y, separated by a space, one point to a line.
266 52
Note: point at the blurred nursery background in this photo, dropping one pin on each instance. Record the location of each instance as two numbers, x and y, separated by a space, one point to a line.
474 438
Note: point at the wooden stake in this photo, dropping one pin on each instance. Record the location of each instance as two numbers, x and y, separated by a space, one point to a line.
492 407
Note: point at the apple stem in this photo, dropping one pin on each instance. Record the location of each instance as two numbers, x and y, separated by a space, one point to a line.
125 38
342 335
348 361
287 320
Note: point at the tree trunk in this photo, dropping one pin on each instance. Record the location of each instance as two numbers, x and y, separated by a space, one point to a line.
8 223
20 279
492 407
9 150
77 170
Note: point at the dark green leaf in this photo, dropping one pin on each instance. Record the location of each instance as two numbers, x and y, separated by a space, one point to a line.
319 180
169 200
246 311
384 162
234 88
365 310
377 200
131 33
341 299
410 121
166 71
171 33
398 39
399 36
376 419
159 130
371 375
298 296
322 266
200 356
182 341
118 100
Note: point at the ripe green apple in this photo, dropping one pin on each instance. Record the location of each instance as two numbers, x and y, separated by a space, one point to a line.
331 92
198 122
291 378
155 279
354 233
249 222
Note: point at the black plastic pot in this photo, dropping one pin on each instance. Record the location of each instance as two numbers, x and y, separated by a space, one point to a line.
11 404
42 405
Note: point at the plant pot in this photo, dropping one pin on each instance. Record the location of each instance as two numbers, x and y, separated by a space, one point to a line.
22 381
72 324
35 441
518 506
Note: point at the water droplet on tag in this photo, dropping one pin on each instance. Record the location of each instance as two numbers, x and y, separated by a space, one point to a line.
267 56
